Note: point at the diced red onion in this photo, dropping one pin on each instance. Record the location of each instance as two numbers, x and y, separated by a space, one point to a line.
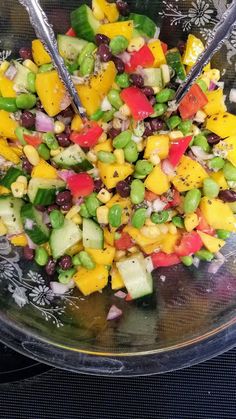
79 201
60 289
232 96
46 218
29 224
125 125
136 139
120 115
125 57
66 101
11 72
43 122
30 243
120 294
65 174
140 70
196 262
106 105
114 313
212 86
216 264
200 153
149 264
158 205
167 168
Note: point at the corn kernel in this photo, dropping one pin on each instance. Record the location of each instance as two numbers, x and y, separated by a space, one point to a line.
18 189
149 223
3 229
91 156
156 89
119 255
104 196
172 229
77 219
47 247
163 228
105 126
32 154
76 248
72 212
200 117
213 74
133 249
191 221
59 127
97 11
140 146
102 215
125 110
77 123
196 130
102 138
136 44
22 179
20 240
31 66
4 66
120 156
116 123
154 159
54 153
175 134
150 232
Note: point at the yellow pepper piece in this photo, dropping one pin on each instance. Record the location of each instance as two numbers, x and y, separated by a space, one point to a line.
89 281
151 248
190 174
227 148
158 144
7 153
4 191
39 53
157 182
218 214
109 237
191 221
6 87
111 174
158 53
117 282
215 102
77 123
222 124
169 242
219 178
44 170
89 97
20 240
109 9
211 243
103 82
118 28
106 146
18 150
3 228
7 125
51 92
194 47
139 238
102 257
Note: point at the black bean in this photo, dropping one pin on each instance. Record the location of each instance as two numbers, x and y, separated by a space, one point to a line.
27 119
52 207
104 53
67 113
98 185
28 253
152 100
39 106
156 124
120 66
228 195
64 197
65 262
148 91
63 139
50 268
113 132
25 53
101 39
26 165
123 189
123 7
213 139
66 207
148 130
137 80
181 47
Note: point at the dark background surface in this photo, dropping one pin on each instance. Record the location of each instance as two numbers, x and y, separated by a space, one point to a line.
206 391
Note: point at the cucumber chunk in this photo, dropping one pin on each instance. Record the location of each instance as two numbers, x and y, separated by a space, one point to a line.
174 60
10 213
84 23
38 233
21 78
92 234
143 25
12 174
73 157
43 191
70 47
152 77
65 237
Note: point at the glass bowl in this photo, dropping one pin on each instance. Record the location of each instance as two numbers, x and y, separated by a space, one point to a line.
191 315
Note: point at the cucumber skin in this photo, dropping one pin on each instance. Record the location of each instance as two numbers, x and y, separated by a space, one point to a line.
68 229
12 174
46 196
89 225
143 24
84 166
36 234
73 158
174 60
81 23
74 43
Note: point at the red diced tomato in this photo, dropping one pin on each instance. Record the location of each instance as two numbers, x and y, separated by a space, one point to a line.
203 225
177 149
138 103
190 243
128 298
192 102
34 140
80 184
161 259
143 58
89 135
124 242
176 201
71 32
164 47
150 196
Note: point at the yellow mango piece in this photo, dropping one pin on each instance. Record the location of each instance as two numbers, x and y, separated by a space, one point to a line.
76 248
109 237
111 174
44 170
218 214
106 146
7 125
89 97
118 28
227 148
191 221
103 82
89 281
222 124
117 282
39 53
211 243
20 240
77 123
7 153
139 238
158 144
157 182
169 242
18 150
219 178
151 248
190 174
4 191
102 257
109 9
52 93
158 53
194 47
6 87
215 102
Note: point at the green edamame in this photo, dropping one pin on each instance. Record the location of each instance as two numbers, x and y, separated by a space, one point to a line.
114 215
122 80
139 129
165 95
160 217
139 218
216 164
106 157
201 141
41 256
137 175
115 99
86 51
86 260
76 260
72 67
56 219
131 152
187 260
45 68
229 171
159 109
87 66
178 221
211 189
92 203
202 85
143 167
20 132
205 255
97 115
26 101
31 78
185 126
223 234
191 200
173 122
43 151
118 44
121 140
108 115
137 192
65 277
84 211
50 140
8 104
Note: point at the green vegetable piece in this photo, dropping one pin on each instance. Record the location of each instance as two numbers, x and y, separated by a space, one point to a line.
45 68
86 260
229 171
65 277
41 256
115 99
137 175
210 188
26 101
8 104
201 83
92 203
185 126
84 211
121 140
205 255
106 157
131 152
192 200
139 218
76 260
56 219
97 115
43 151
165 95
87 66
50 140
114 215
108 115
72 67
20 131
160 109
160 217
143 167
178 221
118 44
217 163
187 260
123 80
201 141
137 192
223 234
86 51
173 122
31 78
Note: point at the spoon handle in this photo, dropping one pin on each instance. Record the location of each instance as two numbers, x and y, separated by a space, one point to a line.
45 33
218 35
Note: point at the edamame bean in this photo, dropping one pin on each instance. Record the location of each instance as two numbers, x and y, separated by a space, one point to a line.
65 277
137 175
201 141
72 67
202 85
160 109
76 260
31 78
108 115
229 171
25 101
192 200
185 126
137 192
118 44
205 255
45 68
139 217
114 215
87 50
173 122
211 189
56 219
143 167
20 132
97 115
216 164
115 99
178 221
123 80
50 140
84 211
139 129
223 234
160 217
86 260
165 95
92 203
87 66
121 140
41 256
187 260
8 104
106 157
131 152
43 151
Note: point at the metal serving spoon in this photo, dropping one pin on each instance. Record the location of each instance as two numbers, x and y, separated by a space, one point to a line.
219 34
44 32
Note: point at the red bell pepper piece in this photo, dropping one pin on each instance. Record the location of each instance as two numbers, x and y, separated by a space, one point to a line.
177 149
190 243
176 201
150 196
164 47
138 103
34 140
203 225
128 298
161 259
194 100
124 242
71 32
80 184
89 135
143 58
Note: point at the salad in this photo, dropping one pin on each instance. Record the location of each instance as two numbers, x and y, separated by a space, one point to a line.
142 184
